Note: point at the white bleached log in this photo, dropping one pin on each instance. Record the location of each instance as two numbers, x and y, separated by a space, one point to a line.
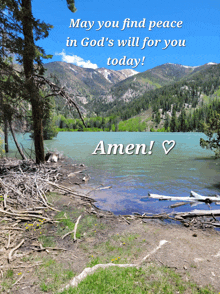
197 212
90 270
193 197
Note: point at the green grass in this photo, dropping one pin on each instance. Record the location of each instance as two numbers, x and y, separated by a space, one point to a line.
53 196
118 249
146 80
152 279
53 275
217 93
132 125
8 280
88 225
208 99
47 241
9 273
66 223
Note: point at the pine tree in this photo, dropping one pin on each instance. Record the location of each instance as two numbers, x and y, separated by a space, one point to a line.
173 123
212 131
182 121
167 122
22 31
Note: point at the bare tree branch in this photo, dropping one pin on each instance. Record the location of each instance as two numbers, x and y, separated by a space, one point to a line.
58 91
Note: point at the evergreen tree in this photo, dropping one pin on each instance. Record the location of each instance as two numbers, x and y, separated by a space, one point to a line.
173 123
22 31
212 131
157 118
167 122
182 121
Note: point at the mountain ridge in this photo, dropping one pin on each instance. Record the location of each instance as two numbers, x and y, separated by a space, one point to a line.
95 88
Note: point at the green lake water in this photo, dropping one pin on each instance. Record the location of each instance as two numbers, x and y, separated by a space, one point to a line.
187 167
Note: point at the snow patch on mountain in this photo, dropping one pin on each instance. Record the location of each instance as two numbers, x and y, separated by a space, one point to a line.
72 69
106 74
128 72
188 66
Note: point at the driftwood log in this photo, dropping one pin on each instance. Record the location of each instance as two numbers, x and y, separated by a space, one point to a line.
90 270
196 212
194 197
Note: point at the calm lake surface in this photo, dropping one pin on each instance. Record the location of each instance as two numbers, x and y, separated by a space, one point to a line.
187 167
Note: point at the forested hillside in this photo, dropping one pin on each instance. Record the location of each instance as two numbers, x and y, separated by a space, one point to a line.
169 97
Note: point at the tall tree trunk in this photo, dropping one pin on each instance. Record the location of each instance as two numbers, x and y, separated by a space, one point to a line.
6 134
28 62
16 142
38 131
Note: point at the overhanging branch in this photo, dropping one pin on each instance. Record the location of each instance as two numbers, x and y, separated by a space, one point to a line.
58 91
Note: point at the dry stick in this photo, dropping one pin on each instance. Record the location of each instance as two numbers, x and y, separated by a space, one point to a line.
64 188
46 248
105 188
15 248
70 191
17 281
42 248
28 155
21 266
48 206
99 189
74 231
95 189
199 213
75 228
16 142
24 216
178 204
39 193
56 248
214 217
126 220
213 224
52 208
56 90
28 211
10 187
5 199
34 209
9 239
90 270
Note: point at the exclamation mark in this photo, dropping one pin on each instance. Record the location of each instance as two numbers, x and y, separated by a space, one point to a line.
143 59
151 147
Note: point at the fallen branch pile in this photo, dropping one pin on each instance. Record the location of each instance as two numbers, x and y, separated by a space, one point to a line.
23 188
23 203
23 184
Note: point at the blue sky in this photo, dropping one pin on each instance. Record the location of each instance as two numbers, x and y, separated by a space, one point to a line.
200 29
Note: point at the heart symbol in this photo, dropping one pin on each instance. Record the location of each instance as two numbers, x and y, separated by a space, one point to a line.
171 147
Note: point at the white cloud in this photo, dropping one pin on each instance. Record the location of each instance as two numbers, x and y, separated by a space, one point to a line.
77 60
